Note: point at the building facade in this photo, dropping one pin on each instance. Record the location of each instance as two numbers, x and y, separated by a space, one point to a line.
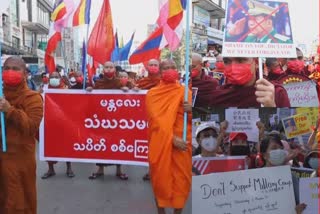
207 24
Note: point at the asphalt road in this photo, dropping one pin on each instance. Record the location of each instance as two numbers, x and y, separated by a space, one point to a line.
107 195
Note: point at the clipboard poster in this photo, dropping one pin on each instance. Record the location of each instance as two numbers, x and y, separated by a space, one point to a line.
258 28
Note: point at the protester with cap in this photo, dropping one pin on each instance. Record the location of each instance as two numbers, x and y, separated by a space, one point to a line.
209 137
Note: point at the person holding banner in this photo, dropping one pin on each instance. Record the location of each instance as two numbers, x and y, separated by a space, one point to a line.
109 81
244 90
153 78
23 110
210 137
169 156
146 83
56 82
273 154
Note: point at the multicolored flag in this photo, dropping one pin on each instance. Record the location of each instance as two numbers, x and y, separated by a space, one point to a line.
101 42
82 14
149 49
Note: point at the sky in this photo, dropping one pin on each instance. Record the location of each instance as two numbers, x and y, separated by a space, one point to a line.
135 15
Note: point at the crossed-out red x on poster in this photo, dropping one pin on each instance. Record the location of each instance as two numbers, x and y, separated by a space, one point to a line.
258 24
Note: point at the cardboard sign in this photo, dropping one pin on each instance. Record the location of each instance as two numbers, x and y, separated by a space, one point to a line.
194 95
256 191
248 35
309 194
296 125
243 120
302 94
207 165
103 126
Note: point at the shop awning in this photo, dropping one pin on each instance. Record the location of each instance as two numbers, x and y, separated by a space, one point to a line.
215 10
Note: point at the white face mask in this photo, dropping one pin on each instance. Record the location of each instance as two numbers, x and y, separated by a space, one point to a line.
277 157
29 77
54 82
73 81
209 143
314 163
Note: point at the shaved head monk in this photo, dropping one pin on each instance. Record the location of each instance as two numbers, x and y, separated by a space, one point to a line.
110 81
169 155
152 80
153 77
23 110
242 88
206 85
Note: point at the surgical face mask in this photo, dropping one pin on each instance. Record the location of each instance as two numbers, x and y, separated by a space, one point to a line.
314 163
277 157
54 82
29 77
209 144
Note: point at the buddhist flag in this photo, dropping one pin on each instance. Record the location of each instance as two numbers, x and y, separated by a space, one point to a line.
101 42
59 11
170 19
82 14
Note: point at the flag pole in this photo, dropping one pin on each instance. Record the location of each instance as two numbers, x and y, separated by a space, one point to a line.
86 56
3 124
186 91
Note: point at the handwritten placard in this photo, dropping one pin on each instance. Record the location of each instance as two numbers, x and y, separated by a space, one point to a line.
256 191
309 194
243 120
302 94
296 125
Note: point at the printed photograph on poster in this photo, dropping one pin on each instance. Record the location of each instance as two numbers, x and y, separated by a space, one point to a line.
296 125
258 28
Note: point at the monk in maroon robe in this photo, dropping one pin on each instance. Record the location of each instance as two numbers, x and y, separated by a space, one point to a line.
244 90
206 85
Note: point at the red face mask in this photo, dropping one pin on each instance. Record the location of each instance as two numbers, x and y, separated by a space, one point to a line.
109 74
195 73
220 65
79 80
153 69
45 80
277 70
12 78
238 74
170 76
295 66
124 81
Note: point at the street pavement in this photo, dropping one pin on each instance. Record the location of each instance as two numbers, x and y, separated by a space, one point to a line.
107 195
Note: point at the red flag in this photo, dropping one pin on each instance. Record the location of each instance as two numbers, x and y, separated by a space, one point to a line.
91 72
101 42
54 39
218 164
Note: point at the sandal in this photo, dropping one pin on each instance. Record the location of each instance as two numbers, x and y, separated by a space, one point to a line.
122 176
70 174
146 177
95 176
48 175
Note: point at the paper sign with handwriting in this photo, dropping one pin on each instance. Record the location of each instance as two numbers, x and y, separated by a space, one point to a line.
302 94
257 191
309 194
244 120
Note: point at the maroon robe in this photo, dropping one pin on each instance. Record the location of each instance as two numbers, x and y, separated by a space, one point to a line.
206 87
239 96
